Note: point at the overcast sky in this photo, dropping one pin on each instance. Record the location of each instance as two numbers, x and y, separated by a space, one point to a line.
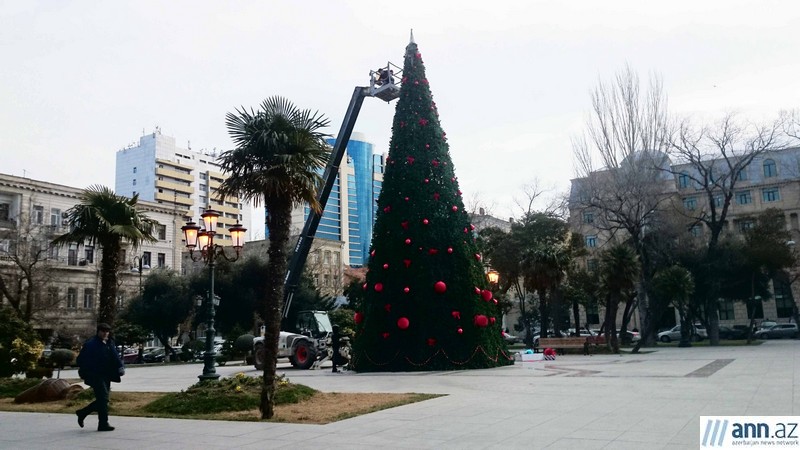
81 80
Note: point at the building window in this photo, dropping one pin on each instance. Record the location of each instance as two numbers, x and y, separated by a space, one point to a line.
327 258
591 265
745 225
592 314
204 188
784 302
744 198
726 310
88 298
203 176
89 254
690 203
4 210
120 301
683 180
742 175
591 241
52 296
770 169
72 256
770 194
755 310
203 200
72 298
134 181
146 256
588 217
793 221
162 260
52 252
718 199
696 230
38 214
162 232
55 217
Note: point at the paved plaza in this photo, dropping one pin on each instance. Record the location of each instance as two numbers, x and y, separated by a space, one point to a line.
646 401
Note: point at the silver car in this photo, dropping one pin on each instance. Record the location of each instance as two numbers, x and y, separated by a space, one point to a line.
699 333
780 330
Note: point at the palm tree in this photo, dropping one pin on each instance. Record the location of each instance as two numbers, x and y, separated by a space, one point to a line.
107 220
278 156
619 271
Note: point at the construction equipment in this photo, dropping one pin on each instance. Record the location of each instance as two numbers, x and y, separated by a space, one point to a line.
308 341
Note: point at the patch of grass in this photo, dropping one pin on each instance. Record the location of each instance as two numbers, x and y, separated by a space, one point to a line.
221 400
11 387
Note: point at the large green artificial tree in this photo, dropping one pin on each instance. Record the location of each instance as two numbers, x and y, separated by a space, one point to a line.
427 304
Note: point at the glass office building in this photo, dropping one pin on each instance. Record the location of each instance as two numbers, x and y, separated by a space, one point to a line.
352 207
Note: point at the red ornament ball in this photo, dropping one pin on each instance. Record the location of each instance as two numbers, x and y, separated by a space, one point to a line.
372 253
481 321
478 256
425 221
431 342
364 286
440 287
406 289
378 287
460 331
387 209
408 241
427 181
433 251
388 307
406 198
454 208
450 250
486 295
492 320
456 315
386 335
407 262
386 266
358 317
402 323
477 290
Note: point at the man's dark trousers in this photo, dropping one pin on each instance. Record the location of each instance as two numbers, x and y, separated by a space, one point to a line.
101 389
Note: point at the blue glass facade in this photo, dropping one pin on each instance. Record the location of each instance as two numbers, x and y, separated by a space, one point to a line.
359 209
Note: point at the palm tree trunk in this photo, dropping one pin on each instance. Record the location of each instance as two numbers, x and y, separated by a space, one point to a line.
107 306
278 223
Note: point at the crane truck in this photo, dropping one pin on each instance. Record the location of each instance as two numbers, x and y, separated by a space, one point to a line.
307 341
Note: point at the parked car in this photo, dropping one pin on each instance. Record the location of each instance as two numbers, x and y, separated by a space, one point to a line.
777 331
737 332
157 355
698 333
511 339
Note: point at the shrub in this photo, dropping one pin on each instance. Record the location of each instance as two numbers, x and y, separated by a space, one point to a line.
62 357
20 347
239 393
244 343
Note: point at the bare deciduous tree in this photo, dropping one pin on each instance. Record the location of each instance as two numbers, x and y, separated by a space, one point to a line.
617 161
712 161
25 269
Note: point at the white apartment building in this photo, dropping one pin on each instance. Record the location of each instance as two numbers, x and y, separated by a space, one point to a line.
66 280
179 178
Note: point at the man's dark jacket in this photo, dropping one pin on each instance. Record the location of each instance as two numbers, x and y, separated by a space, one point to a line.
98 360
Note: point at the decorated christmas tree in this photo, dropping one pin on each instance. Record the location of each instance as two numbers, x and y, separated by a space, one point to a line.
427 305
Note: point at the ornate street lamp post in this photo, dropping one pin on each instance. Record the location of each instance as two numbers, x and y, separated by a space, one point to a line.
142 267
203 240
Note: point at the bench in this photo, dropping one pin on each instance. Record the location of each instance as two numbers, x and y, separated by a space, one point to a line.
565 342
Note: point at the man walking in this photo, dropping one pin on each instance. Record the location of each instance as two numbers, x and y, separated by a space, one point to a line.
99 364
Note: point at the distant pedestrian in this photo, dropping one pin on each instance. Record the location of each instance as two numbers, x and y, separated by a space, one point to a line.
98 365
587 347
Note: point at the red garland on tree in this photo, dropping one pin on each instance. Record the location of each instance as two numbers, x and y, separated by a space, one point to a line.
442 324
